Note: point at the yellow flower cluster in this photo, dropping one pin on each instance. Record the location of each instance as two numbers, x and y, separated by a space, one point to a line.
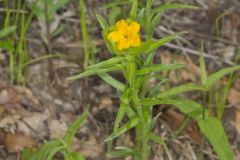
125 35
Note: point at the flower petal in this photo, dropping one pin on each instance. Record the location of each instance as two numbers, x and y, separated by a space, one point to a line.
114 36
123 44
121 25
135 41
134 27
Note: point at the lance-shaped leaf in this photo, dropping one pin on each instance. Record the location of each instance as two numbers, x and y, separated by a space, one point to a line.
102 21
130 124
189 107
122 109
181 89
95 71
112 81
157 139
107 63
220 74
122 152
114 4
133 12
159 68
202 66
213 130
168 6
6 31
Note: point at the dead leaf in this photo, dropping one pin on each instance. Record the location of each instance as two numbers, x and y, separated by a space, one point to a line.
57 129
17 142
190 72
175 120
237 119
90 148
234 97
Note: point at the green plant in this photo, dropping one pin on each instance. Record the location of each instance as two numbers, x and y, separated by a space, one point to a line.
49 22
16 23
48 150
88 46
135 60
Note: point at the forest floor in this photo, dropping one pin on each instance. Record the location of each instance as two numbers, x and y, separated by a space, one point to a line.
49 103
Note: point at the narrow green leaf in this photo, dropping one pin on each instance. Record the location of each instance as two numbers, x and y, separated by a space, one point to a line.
114 4
122 109
123 152
213 130
6 45
149 5
168 6
130 124
159 68
186 106
140 15
112 81
154 22
220 74
95 71
181 89
74 127
102 22
202 67
157 139
133 12
107 63
6 31
151 45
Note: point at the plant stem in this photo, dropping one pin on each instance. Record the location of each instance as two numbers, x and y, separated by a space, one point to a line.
141 129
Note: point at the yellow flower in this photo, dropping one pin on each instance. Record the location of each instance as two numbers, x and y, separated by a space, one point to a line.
125 35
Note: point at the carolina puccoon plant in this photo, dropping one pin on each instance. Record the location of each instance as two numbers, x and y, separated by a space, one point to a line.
131 43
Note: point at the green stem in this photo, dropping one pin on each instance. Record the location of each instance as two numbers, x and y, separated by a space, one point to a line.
141 129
